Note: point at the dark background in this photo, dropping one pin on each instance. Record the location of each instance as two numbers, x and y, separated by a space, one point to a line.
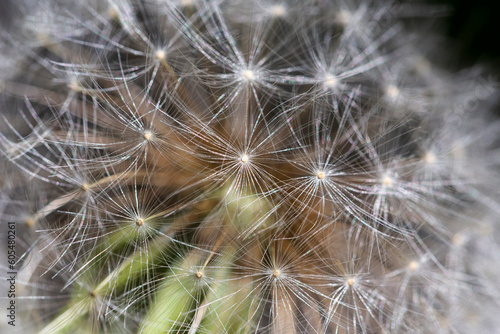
474 25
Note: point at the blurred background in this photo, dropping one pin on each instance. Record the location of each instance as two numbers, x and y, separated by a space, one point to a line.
471 24
475 29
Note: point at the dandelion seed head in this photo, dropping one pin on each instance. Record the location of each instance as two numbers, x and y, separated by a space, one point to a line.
161 55
278 10
330 81
75 86
244 158
387 181
351 281
148 135
30 222
85 187
392 92
187 3
139 222
276 273
248 75
344 17
458 239
430 158
182 149
413 265
113 13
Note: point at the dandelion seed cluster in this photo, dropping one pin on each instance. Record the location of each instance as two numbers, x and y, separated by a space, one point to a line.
246 166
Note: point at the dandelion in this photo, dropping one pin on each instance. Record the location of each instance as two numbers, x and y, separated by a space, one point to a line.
250 166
